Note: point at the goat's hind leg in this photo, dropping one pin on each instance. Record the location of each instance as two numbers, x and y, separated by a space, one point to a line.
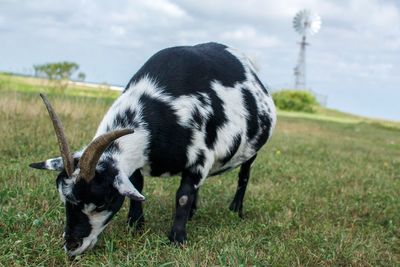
244 175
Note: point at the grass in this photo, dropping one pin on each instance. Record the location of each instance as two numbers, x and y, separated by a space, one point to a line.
323 192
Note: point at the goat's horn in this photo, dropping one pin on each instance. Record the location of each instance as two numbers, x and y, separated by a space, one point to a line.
92 153
62 140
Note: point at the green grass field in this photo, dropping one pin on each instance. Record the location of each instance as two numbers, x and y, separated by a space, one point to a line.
324 192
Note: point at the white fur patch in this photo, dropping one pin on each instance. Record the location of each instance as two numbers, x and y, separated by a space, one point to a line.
198 142
235 112
60 192
183 200
206 168
184 107
56 164
132 155
65 189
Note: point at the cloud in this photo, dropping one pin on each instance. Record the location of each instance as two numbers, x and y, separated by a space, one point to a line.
393 44
250 36
165 7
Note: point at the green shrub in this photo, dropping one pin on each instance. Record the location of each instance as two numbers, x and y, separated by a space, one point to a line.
295 100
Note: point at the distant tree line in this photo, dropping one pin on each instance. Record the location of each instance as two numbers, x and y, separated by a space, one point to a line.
58 73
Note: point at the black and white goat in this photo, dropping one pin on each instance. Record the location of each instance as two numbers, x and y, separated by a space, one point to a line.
195 111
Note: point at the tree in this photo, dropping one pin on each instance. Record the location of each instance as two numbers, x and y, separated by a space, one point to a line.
58 73
81 76
295 100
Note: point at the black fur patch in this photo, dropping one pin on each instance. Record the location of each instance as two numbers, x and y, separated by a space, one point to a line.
265 124
186 70
216 121
78 225
250 104
124 120
200 158
168 140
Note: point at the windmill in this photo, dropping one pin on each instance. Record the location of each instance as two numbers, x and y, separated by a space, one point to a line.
306 24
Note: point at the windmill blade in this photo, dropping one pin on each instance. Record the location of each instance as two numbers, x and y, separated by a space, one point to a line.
306 23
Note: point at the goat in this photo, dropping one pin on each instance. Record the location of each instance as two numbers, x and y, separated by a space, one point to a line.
194 111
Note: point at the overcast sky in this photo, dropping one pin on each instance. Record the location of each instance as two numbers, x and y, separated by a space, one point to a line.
354 60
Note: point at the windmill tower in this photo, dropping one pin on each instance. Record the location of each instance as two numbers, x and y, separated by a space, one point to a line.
306 24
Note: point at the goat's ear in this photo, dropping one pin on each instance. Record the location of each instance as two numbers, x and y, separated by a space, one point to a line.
55 164
126 188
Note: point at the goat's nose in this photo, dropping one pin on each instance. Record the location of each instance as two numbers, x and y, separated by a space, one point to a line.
72 244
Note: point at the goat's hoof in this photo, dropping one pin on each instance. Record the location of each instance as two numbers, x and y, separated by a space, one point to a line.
236 206
178 237
138 224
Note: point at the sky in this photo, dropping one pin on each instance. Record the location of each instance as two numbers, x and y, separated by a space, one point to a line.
353 62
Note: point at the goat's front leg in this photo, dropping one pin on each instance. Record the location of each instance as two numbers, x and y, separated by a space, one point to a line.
185 196
194 204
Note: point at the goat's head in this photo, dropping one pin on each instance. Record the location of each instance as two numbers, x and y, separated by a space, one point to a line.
92 190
